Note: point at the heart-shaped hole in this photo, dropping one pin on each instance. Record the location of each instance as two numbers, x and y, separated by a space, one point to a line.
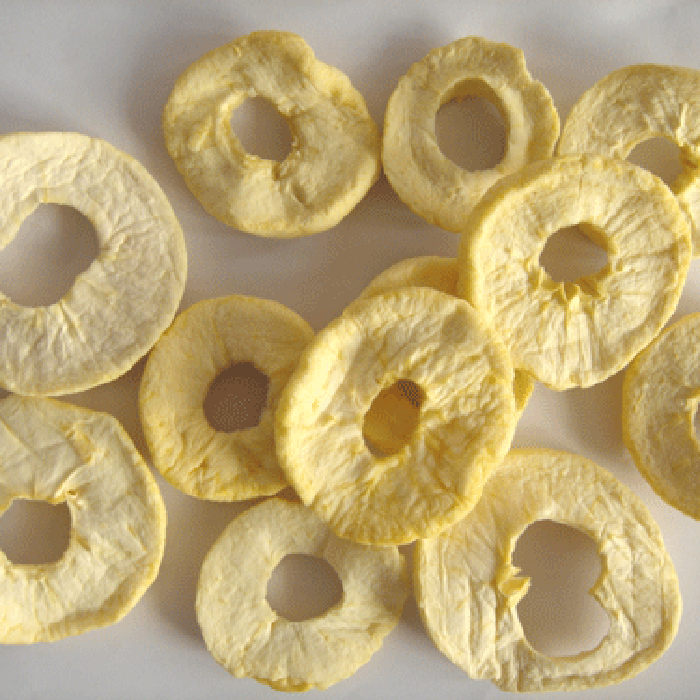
557 614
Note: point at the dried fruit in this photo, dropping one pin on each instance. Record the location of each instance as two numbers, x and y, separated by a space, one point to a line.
466 421
59 453
467 587
576 334
248 638
424 178
202 342
335 154
660 395
118 307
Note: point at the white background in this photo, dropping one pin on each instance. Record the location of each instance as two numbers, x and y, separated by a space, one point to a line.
106 69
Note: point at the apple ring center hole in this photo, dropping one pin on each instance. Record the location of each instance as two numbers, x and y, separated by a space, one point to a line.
34 532
302 587
570 255
558 615
392 417
261 129
658 155
236 398
470 127
53 245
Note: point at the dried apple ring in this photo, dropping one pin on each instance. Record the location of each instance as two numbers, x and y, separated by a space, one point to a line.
638 103
335 154
248 638
423 177
202 342
466 420
660 397
118 307
467 587
55 452
576 334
